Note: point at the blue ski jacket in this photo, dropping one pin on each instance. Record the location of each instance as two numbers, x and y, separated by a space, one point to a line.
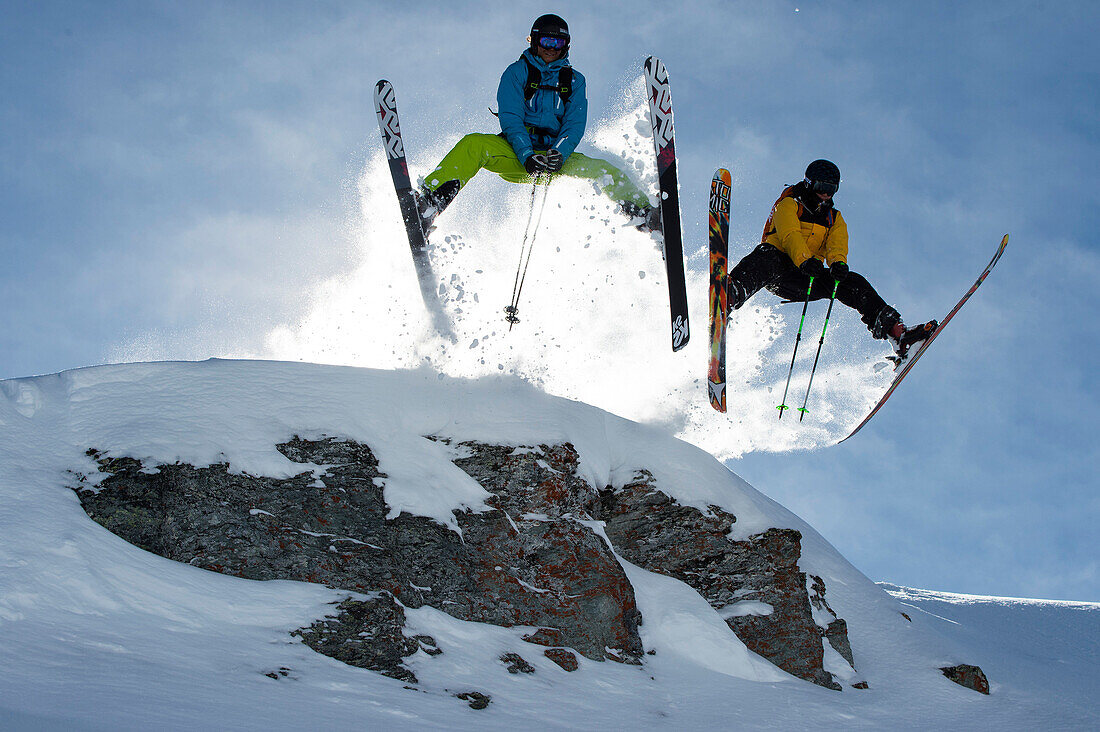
543 121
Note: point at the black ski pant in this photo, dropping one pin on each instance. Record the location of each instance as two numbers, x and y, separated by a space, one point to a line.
770 268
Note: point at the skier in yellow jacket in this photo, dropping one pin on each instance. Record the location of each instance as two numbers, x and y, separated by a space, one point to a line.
803 232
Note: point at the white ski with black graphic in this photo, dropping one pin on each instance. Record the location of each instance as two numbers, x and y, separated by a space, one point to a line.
385 105
664 144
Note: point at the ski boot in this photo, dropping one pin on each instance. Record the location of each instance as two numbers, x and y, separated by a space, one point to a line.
646 219
736 294
889 326
903 338
430 204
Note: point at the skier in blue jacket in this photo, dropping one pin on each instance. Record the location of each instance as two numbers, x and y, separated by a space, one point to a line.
543 113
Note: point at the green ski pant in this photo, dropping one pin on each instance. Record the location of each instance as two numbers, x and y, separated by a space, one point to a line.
492 152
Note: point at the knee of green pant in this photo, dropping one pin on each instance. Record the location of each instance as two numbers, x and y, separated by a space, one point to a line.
470 138
467 147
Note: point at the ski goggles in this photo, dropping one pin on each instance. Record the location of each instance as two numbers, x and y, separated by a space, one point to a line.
553 43
822 186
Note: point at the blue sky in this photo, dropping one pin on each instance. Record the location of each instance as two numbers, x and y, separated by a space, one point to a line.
185 174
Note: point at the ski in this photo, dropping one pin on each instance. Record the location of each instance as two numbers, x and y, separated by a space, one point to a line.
664 144
385 105
912 360
719 296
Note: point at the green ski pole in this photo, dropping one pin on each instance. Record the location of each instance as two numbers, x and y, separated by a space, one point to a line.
832 299
797 338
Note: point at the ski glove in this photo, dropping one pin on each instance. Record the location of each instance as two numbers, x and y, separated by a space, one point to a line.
554 160
536 164
812 267
838 271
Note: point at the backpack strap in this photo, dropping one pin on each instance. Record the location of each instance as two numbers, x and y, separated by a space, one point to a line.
769 227
565 83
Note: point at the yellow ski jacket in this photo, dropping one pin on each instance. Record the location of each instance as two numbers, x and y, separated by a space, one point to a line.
794 230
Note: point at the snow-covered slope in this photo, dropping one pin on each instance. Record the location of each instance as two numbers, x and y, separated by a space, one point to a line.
96 633
1046 649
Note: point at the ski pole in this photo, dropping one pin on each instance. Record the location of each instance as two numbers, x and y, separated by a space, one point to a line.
832 299
512 311
797 338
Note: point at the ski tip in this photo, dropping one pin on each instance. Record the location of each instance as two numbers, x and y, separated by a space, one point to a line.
656 67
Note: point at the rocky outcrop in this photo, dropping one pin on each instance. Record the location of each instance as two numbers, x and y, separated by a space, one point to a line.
754 584
969 676
563 658
834 627
516 664
368 634
331 529
532 559
476 699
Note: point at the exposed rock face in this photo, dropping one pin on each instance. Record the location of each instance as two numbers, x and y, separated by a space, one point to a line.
837 635
971 677
836 629
530 560
476 699
563 658
333 531
516 664
740 579
367 634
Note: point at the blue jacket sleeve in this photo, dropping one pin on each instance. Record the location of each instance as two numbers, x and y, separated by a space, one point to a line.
510 109
575 119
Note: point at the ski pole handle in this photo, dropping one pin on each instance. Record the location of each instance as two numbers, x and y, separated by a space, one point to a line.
554 159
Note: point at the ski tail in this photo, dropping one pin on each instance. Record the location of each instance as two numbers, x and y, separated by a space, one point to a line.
664 144
719 227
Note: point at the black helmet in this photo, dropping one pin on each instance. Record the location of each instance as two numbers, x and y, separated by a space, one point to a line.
549 26
822 176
